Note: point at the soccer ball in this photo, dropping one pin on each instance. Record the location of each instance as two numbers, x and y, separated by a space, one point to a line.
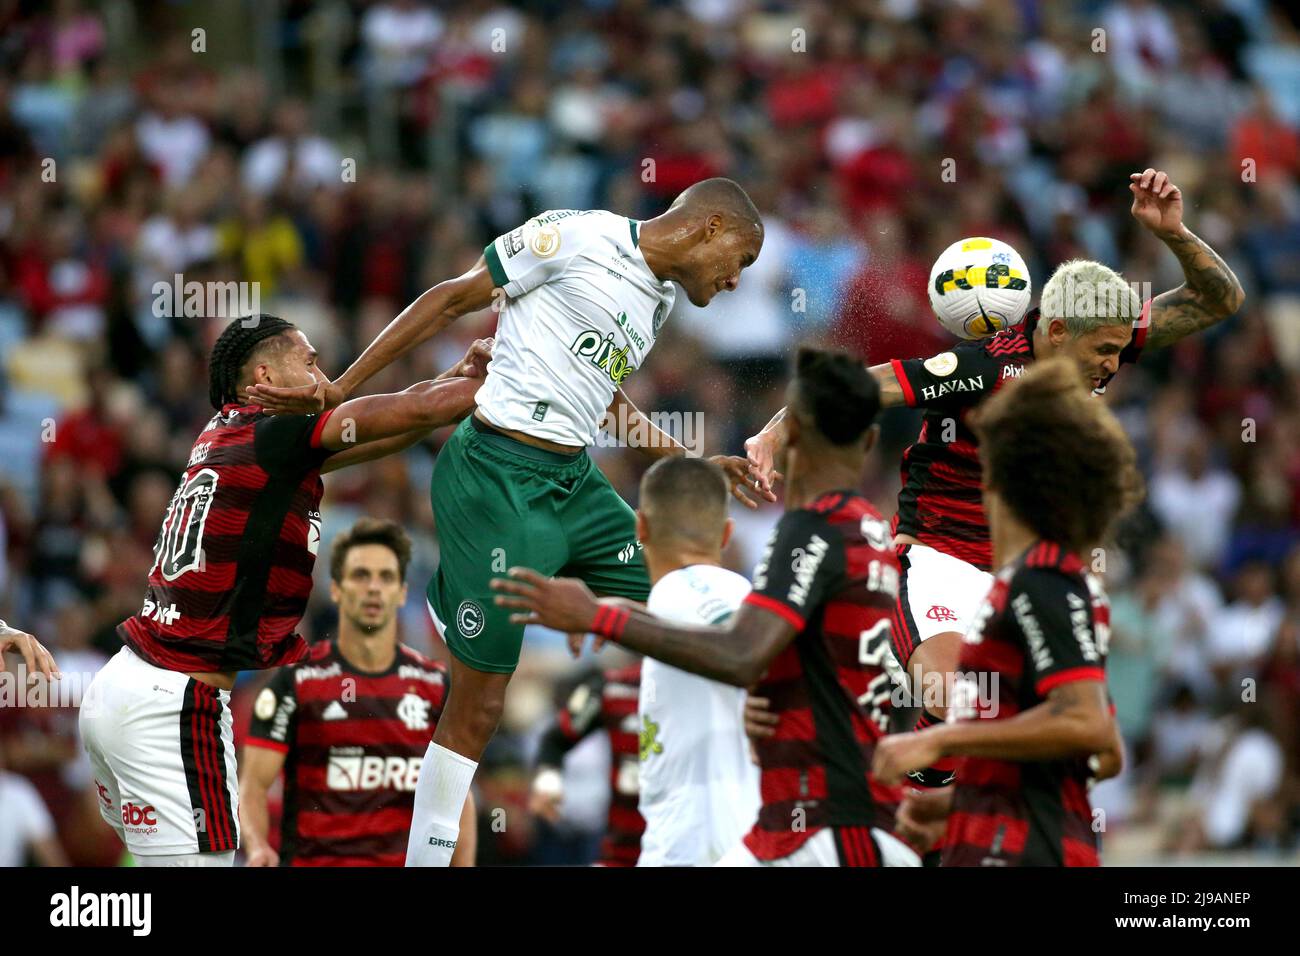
979 286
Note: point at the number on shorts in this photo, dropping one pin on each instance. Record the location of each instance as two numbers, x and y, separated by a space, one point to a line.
180 543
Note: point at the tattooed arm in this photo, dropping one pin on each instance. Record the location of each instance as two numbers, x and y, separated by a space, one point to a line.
1211 292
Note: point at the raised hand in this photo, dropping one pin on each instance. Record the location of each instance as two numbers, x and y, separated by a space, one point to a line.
37 658
299 400
1157 202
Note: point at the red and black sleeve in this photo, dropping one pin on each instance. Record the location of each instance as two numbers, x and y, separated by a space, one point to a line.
956 378
274 710
290 444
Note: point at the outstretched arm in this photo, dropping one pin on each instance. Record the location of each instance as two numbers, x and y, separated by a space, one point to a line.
424 406
736 654
764 448
1211 293
421 320
626 423
1074 721
472 366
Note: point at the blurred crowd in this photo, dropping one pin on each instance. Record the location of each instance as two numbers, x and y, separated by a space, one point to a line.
344 156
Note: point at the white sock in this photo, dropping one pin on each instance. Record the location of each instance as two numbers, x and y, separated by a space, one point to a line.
440 795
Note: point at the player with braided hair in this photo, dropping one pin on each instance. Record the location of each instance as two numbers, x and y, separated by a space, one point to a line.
229 582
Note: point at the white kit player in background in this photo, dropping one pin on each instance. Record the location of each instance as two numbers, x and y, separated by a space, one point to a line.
699 789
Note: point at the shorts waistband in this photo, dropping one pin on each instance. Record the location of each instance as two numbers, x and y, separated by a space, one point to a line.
498 439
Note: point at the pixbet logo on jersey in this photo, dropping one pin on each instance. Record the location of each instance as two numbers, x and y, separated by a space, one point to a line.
353 772
138 819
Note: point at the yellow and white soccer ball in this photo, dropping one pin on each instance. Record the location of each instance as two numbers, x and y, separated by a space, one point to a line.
979 286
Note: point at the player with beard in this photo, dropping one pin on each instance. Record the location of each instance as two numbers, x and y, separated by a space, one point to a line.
1030 707
349 725
229 583
1088 314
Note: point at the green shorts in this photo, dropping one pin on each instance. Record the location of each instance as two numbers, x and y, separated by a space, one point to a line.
499 504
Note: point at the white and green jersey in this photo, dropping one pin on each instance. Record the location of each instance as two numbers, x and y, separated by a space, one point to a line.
699 789
581 315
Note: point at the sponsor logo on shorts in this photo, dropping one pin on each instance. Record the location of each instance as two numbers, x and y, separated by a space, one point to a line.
139 819
439 841
938 612
103 794
469 619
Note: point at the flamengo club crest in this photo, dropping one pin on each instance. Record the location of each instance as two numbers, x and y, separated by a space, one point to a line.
413 711
938 612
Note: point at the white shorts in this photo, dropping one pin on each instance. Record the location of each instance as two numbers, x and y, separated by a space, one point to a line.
937 593
162 750
820 850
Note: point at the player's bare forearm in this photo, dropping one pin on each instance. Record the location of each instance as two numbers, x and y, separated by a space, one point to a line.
737 654
374 450
424 318
1074 721
258 768
625 420
423 406
1211 293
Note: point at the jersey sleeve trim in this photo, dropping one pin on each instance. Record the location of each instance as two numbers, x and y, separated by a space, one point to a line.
1069 676
783 611
495 269
909 396
1141 329
253 740
320 427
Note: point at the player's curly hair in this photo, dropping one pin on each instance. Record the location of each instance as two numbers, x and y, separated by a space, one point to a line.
839 396
1057 456
371 531
233 348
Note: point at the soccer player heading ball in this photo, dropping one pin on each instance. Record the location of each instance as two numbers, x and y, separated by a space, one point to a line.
1090 316
1030 707
583 295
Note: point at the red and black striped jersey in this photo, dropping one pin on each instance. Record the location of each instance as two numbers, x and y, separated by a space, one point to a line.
830 570
233 561
941 504
607 701
353 745
1046 622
